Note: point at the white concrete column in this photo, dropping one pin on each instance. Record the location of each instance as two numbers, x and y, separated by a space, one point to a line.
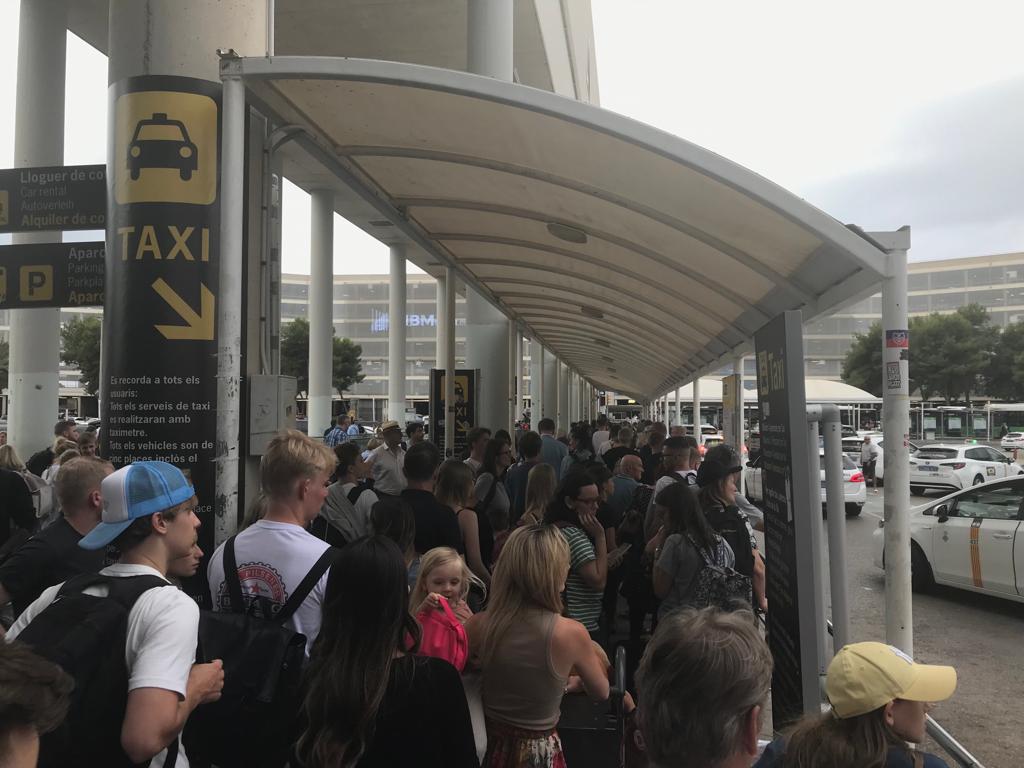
38 140
563 394
537 384
513 375
321 311
396 335
551 387
440 317
487 351
520 402
696 408
490 38
449 362
559 396
679 405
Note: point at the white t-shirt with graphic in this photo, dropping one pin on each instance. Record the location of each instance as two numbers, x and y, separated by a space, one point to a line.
161 645
273 558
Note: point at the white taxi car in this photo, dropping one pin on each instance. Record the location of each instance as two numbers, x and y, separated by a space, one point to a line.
949 467
1012 440
968 540
855 494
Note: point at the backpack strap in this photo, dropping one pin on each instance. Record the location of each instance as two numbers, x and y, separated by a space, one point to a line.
234 586
124 589
302 591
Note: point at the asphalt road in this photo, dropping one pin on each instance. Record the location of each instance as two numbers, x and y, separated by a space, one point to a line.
983 637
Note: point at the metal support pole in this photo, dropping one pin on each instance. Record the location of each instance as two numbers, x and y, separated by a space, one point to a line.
449 363
396 335
899 627
321 312
229 309
817 537
829 418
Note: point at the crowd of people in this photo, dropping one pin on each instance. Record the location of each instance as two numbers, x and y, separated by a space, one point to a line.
440 610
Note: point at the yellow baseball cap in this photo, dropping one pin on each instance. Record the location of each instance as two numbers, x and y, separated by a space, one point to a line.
865 676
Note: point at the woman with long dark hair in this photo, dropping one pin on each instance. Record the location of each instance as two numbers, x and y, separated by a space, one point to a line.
680 547
369 701
880 701
491 495
574 511
455 488
717 478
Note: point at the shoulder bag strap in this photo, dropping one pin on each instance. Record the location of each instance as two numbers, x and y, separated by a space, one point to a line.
231 578
704 555
306 585
490 495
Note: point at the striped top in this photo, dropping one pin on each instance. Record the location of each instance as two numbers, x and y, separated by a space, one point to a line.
582 600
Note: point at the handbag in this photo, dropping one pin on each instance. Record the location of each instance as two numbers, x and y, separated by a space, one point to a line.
444 637
719 586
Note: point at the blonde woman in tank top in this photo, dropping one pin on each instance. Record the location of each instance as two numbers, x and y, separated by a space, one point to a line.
526 650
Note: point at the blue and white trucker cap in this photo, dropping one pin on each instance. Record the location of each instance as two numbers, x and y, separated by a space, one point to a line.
135 491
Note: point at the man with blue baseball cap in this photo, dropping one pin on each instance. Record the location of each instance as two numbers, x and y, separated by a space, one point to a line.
149 515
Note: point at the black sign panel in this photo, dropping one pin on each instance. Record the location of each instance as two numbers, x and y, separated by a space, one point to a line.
466 400
53 199
51 275
163 248
792 616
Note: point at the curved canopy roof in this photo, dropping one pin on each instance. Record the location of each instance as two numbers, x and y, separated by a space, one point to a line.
639 259
817 391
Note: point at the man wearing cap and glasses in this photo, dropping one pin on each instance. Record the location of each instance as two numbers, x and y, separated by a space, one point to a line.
149 515
386 461
879 701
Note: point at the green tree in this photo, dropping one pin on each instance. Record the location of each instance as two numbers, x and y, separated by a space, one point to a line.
5 362
949 354
80 347
1004 377
346 363
862 367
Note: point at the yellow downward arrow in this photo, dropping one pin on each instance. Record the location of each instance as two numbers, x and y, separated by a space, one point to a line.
199 327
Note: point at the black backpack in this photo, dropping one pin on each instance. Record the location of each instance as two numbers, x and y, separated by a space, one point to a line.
85 635
253 723
357 491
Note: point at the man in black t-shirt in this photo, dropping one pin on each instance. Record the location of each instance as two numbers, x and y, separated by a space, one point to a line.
41 460
436 524
53 555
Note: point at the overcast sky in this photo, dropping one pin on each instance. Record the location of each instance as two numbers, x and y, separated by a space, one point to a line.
880 113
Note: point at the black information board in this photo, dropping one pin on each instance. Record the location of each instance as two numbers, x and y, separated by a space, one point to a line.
56 198
793 617
466 399
163 253
52 275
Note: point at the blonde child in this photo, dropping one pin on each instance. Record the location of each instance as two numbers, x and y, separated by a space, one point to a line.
443 573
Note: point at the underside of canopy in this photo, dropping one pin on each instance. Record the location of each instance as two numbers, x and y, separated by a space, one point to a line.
637 258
